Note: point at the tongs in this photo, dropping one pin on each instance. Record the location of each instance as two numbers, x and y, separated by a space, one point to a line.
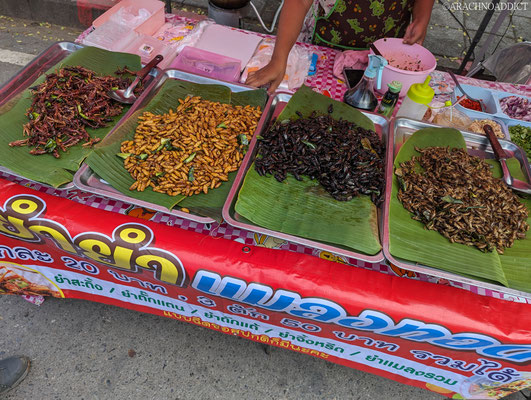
501 156
479 101
127 96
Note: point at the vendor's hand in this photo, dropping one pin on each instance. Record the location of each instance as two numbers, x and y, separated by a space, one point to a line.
272 74
415 32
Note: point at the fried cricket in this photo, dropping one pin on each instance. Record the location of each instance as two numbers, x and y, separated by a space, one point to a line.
456 195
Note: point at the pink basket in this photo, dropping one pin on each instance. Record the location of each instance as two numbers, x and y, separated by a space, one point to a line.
398 53
149 26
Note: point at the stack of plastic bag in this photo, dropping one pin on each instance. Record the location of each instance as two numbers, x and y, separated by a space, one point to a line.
299 61
179 34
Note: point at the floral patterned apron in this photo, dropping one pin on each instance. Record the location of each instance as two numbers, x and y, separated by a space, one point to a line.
355 24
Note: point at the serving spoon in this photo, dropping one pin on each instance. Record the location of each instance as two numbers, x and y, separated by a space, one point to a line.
501 156
462 91
127 96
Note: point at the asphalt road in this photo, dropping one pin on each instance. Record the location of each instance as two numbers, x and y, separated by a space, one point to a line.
84 350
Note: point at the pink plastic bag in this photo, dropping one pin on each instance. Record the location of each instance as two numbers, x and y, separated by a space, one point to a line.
350 59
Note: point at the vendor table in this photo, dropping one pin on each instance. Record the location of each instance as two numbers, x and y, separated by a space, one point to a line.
456 339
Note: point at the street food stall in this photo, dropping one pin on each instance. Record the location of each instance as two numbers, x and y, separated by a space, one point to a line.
396 246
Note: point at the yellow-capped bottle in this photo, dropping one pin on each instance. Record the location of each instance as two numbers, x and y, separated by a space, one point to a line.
416 102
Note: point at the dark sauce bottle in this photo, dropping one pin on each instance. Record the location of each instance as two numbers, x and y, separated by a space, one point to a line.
362 95
388 103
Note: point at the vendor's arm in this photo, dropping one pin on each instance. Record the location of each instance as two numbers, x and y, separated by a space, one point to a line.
416 31
289 27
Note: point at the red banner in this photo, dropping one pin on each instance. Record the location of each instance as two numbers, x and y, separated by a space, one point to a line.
436 337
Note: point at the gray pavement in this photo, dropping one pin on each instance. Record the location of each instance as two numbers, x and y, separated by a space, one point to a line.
84 350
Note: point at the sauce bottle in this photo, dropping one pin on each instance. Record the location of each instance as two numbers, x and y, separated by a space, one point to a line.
388 103
362 95
416 103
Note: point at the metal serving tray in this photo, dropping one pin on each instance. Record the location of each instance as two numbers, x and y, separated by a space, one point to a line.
27 75
87 180
274 107
401 129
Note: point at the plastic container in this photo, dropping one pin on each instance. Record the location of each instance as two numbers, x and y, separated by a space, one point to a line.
485 95
398 53
502 124
416 103
452 117
148 47
500 96
491 101
202 62
110 36
148 27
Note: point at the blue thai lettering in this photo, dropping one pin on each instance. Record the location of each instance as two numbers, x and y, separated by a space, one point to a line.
441 360
486 365
368 320
44 257
416 330
318 310
23 253
513 352
231 288
421 354
206 282
342 335
281 300
367 340
237 309
8 250
465 341
120 277
462 365
256 294
390 346
505 375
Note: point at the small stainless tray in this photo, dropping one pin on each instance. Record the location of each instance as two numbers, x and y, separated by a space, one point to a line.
87 180
29 74
274 107
401 129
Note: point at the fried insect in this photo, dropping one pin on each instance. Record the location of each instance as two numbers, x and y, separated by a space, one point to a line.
67 103
346 159
190 150
456 195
